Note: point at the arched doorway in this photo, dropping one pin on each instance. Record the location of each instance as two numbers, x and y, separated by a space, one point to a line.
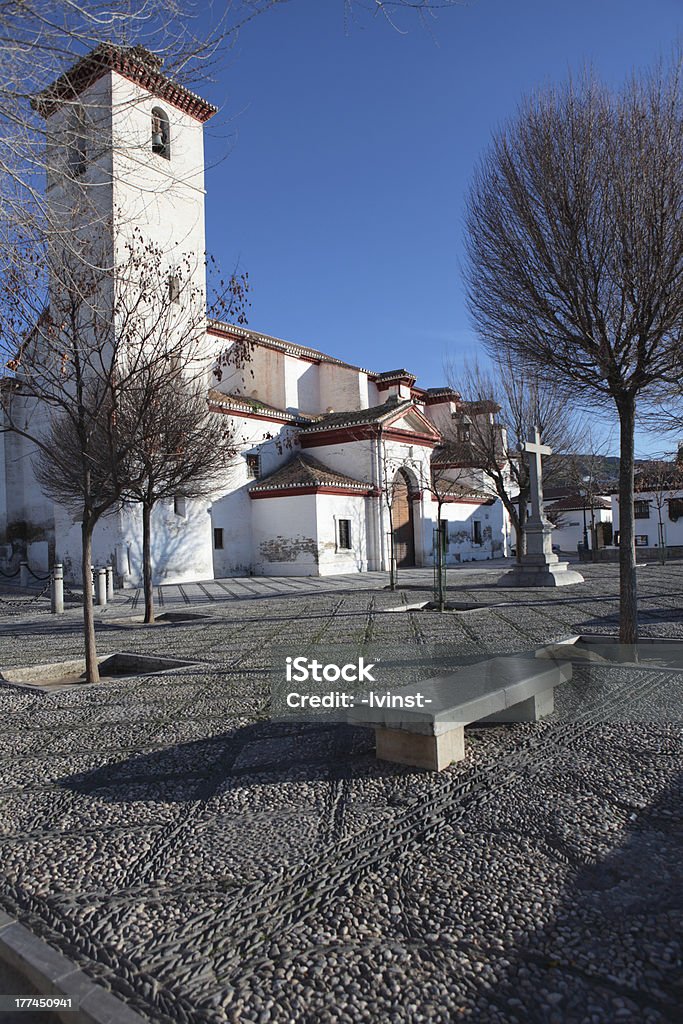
402 516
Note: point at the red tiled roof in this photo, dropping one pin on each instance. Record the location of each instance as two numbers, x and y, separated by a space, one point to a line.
303 471
135 63
577 502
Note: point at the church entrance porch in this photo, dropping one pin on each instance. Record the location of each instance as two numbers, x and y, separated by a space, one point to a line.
403 524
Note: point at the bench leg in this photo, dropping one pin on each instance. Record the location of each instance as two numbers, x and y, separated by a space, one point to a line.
420 751
530 710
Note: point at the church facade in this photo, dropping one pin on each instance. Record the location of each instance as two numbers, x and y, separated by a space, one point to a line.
337 468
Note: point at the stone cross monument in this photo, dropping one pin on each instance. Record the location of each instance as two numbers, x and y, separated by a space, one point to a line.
540 566
536 450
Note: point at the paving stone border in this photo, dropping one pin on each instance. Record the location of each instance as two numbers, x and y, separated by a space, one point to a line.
53 974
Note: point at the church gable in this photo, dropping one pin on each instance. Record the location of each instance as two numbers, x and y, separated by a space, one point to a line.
394 419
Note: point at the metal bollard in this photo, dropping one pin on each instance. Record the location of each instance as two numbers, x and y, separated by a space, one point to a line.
57 601
23 574
93 576
110 583
101 587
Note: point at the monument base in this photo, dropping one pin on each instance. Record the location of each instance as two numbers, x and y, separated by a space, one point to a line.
544 574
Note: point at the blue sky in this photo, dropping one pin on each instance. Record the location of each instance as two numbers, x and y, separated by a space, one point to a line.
339 164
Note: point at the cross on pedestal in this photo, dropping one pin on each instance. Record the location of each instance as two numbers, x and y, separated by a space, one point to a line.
539 565
536 449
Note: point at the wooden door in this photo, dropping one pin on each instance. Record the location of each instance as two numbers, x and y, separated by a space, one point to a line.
402 514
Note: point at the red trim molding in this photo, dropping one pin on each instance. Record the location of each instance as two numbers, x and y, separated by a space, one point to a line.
271 418
288 492
464 501
364 432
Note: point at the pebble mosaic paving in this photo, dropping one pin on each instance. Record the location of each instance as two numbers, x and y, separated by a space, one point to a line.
208 864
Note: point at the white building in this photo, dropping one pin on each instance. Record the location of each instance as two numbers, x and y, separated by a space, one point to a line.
575 518
334 459
658 518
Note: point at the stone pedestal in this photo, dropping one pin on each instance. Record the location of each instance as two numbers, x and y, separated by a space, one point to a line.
540 566
552 574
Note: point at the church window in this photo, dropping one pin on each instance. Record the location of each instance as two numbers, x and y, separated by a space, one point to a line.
641 509
161 133
218 538
180 505
254 466
344 534
174 289
77 144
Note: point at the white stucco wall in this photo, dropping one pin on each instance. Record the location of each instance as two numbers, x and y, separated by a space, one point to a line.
569 533
461 517
330 508
284 535
181 544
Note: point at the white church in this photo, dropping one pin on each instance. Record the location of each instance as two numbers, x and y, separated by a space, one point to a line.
338 466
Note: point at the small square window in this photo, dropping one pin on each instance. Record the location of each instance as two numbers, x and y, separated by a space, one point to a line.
675 509
253 466
180 505
218 538
641 540
641 509
344 534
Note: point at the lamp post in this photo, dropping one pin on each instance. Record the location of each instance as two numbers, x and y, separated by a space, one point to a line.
585 527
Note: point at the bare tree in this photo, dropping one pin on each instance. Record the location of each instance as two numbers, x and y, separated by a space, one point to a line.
447 482
78 337
178 449
501 407
586 475
575 253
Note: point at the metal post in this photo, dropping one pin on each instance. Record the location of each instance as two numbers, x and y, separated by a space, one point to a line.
93 577
585 528
110 583
23 574
101 587
57 604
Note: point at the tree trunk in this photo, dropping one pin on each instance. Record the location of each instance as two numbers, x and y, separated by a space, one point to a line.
392 560
147 560
92 672
439 559
628 594
519 530
662 545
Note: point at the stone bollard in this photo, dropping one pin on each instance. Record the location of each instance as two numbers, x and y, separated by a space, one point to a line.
101 587
57 603
110 583
23 574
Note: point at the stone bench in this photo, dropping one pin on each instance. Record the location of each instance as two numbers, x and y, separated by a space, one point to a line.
507 689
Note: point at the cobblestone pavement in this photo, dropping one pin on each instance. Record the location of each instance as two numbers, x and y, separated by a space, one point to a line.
209 864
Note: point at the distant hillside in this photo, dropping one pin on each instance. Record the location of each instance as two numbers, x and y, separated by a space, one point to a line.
563 475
